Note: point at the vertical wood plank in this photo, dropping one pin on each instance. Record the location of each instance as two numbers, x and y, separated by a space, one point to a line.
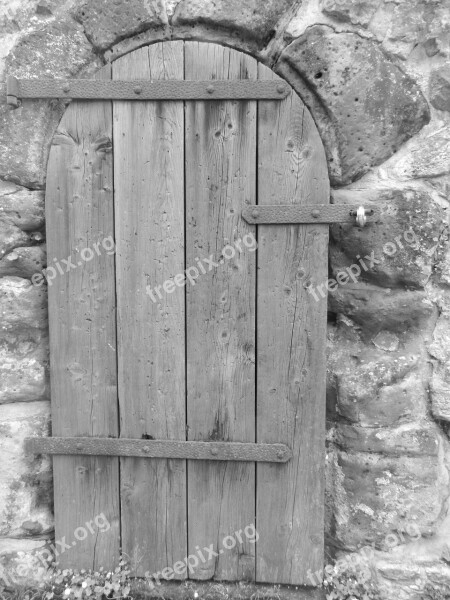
220 308
79 214
291 337
149 205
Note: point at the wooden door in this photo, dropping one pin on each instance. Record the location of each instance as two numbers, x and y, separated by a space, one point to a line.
234 353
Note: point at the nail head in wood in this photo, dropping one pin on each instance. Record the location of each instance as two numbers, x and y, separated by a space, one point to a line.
66 88
137 89
315 213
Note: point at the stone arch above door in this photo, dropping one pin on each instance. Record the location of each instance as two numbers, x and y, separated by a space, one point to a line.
363 104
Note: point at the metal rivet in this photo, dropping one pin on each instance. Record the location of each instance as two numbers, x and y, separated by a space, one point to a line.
315 213
280 454
79 446
281 89
66 88
210 89
214 451
137 89
145 449
255 214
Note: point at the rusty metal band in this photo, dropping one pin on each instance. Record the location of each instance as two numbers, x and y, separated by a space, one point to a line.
237 451
278 214
90 89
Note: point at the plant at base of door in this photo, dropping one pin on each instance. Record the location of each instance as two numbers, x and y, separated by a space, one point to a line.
68 584
353 583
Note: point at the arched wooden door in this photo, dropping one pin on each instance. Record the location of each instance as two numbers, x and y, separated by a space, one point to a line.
198 327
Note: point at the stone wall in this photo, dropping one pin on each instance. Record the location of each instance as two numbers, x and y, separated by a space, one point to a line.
376 76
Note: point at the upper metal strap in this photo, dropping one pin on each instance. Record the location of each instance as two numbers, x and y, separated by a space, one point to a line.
170 89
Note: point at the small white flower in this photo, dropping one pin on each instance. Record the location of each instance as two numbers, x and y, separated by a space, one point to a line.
67 592
84 584
196 595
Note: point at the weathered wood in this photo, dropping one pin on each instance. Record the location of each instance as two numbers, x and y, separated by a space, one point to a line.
142 89
237 451
149 208
191 347
291 335
79 216
210 590
220 179
297 213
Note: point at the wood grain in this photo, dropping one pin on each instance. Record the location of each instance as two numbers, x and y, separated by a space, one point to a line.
220 180
237 451
79 215
149 208
291 336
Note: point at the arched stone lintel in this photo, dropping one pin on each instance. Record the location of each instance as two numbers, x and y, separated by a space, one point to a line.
363 105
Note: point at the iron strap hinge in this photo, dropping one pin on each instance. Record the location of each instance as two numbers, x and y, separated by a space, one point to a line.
169 89
283 214
91 446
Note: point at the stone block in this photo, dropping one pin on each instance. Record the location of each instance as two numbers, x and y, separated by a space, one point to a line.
372 105
376 309
57 49
440 398
21 207
106 22
358 13
378 495
19 561
24 262
373 388
404 243
25 481
410 439
22 305
23 368
440 88
252 19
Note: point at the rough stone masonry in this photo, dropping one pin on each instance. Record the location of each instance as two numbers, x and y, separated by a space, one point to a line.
375 75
